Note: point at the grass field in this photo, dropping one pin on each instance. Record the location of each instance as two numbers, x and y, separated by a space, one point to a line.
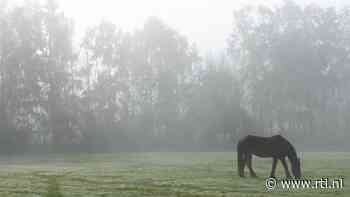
157 174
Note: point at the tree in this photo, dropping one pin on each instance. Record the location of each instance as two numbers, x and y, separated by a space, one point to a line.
163 58
291 59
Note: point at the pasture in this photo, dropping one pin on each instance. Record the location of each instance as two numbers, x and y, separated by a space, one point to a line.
157 174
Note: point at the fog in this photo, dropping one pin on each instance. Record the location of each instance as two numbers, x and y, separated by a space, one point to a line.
207 23
113 76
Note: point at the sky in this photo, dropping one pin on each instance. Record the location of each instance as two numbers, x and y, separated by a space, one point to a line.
207 23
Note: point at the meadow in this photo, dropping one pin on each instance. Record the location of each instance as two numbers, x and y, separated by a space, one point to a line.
157 174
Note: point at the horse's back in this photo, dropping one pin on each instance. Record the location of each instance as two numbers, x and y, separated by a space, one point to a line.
263 140
274 146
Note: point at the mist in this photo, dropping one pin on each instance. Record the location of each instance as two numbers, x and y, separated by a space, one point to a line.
164 98
284 69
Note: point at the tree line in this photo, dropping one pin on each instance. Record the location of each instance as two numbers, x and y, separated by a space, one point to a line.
150 89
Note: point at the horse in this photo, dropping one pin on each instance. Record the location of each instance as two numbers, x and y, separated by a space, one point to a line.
275 146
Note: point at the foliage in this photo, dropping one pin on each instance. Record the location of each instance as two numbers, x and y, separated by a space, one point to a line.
151 90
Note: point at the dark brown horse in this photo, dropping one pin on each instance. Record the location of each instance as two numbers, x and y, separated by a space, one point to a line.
276 147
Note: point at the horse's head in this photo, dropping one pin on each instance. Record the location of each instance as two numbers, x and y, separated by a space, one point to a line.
296 168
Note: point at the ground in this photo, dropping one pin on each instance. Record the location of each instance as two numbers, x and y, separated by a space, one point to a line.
157 174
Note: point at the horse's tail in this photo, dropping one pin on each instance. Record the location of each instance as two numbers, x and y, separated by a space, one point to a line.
240 160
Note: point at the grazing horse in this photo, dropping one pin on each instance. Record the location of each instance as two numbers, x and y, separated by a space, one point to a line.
275 146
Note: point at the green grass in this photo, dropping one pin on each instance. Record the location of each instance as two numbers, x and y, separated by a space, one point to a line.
157 174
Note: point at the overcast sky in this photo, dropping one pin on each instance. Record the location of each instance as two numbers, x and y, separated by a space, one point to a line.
208 23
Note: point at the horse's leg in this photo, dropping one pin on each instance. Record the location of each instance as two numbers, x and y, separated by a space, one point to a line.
274 163
241 162
283 160
249 163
